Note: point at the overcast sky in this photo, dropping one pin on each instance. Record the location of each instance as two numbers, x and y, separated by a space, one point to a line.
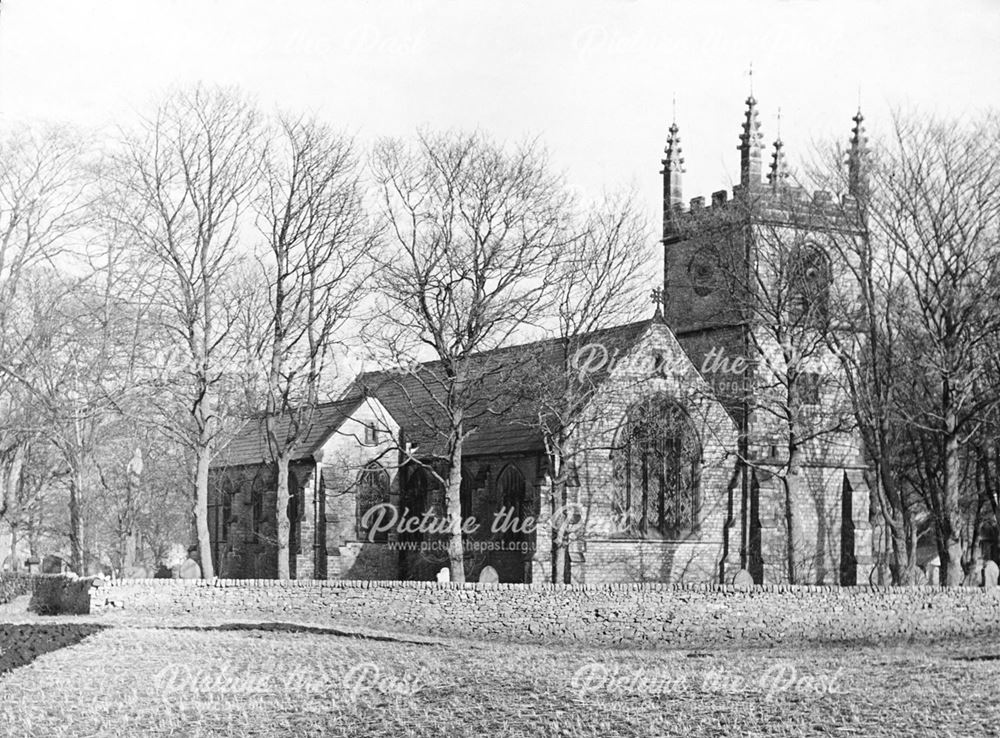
593 79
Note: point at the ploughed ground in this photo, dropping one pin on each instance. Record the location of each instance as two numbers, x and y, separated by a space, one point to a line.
79 677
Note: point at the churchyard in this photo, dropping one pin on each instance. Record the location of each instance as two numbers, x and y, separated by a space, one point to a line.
172 677
166 658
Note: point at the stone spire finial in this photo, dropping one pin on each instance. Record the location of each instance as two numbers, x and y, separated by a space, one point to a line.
751 143
857 180
673 166
673 169
778 175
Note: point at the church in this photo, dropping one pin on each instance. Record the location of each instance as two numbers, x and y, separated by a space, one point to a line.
713 439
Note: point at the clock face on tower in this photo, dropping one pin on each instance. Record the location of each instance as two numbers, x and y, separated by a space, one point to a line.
701 271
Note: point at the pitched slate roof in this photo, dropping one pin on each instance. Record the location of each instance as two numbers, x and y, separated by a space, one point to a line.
250 445
504 415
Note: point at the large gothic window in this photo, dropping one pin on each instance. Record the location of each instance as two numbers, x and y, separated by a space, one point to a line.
656 463
372 490
810 278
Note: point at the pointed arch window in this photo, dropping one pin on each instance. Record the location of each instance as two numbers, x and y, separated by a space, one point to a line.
656 465
372 490
512 502
257 507
810 277
220 513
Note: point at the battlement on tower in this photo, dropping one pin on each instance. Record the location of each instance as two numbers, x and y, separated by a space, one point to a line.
789 205
775 200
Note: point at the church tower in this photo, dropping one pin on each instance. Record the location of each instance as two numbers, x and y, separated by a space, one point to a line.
739 272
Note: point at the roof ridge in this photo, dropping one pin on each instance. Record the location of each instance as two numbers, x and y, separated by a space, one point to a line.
544 341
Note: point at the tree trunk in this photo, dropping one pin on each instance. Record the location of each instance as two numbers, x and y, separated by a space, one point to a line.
558 526
202 460
75 522
284 525
10 506
453 501
953 517
14 565
792 484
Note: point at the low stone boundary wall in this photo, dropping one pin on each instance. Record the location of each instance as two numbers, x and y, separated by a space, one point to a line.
51 594
14 585
622 614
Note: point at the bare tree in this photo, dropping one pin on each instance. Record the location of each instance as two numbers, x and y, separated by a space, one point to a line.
43 208
937 204
321 246
476 231
871 349
181 186
595 285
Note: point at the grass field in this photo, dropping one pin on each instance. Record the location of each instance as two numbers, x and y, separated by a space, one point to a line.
277 680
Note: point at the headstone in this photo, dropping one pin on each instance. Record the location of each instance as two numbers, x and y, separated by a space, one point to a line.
990 573
489 575
444 575
743 579
190 569
931 568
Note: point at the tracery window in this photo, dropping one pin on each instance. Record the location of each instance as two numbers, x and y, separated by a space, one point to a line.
656 463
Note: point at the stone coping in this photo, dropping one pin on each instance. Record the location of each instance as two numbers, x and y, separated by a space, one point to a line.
543 587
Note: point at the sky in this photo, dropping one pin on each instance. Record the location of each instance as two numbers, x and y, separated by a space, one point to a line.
594 80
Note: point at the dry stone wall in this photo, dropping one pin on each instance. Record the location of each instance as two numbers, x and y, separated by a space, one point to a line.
613 615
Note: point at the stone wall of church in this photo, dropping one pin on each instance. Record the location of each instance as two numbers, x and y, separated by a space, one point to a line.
250 546
601 552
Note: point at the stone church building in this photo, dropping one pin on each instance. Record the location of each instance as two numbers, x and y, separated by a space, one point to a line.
711 438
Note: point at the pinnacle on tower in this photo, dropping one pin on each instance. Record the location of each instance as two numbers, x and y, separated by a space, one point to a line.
857 180
751 143
673 168
778 175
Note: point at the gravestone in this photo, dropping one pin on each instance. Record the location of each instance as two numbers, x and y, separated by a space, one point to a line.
743 579
932 568
990 573
444 575
489 575
190 569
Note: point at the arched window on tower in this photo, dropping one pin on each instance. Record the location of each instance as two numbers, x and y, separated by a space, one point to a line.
810 277
372 490
657 463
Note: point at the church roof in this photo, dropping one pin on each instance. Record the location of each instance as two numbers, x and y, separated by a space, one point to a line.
503 418
250 445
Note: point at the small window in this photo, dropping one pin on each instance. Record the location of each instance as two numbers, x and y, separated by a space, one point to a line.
371 435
